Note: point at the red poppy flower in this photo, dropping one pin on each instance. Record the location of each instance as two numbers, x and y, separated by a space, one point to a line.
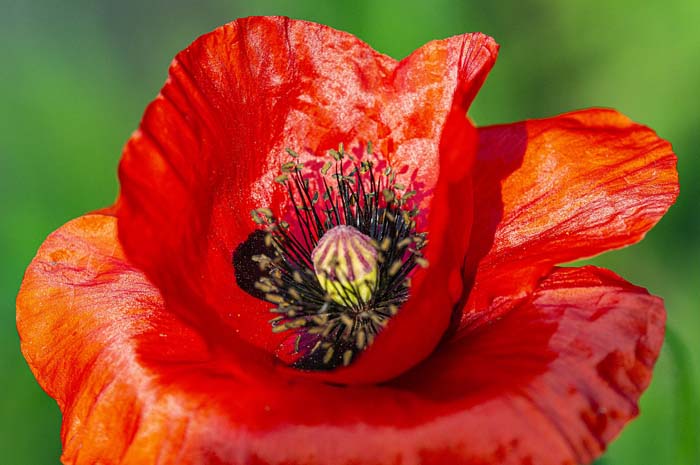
440 331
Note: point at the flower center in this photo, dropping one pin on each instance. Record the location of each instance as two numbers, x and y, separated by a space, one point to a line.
339 268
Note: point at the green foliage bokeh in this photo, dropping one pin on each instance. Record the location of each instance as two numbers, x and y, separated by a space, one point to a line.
77 75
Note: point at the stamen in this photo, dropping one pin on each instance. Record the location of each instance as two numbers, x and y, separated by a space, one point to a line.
342 271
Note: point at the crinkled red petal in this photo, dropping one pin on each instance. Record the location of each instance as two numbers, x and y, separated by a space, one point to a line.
555 379
559 189
550 383
209 147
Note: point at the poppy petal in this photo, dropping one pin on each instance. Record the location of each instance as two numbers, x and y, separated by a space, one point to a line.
66 289
552 382
86 319
556 378
210 145
416 330
555 190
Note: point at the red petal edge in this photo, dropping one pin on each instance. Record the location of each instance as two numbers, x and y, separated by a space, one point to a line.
558 189
210 145
550 383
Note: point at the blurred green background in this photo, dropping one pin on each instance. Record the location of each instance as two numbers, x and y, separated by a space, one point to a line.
76 76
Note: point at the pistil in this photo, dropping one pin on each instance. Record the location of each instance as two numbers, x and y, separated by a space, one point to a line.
345 263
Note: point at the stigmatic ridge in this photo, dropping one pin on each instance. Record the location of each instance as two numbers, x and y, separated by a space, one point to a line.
340 262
